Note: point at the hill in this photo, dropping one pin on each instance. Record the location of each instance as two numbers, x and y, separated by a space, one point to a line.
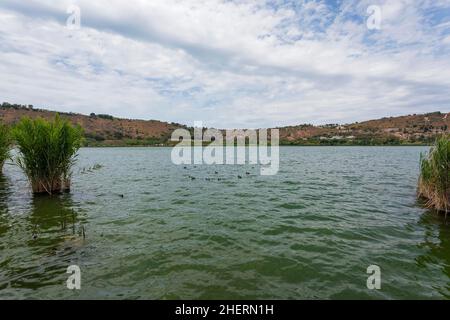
409 129
100 129
106 130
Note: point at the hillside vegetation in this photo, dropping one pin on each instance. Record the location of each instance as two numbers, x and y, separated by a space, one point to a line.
106 130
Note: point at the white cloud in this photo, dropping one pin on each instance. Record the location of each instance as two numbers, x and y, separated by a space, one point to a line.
229 64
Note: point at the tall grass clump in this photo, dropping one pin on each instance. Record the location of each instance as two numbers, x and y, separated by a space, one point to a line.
5 144
434 180
47 152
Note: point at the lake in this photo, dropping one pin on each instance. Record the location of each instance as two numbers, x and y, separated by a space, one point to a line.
154 230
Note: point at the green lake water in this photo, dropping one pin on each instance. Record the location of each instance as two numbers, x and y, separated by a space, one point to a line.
152 232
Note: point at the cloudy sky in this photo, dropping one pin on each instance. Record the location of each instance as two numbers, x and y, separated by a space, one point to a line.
228 63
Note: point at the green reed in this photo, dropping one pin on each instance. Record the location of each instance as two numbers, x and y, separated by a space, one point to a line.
5 144
434 180
47 152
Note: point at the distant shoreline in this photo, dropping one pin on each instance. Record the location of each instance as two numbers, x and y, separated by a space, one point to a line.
281 145
102 130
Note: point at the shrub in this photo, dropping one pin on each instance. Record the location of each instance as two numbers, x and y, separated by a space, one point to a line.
434 180
105 116
47 152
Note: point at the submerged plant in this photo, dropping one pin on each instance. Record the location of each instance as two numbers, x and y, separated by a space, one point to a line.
434 180
47 151
5 144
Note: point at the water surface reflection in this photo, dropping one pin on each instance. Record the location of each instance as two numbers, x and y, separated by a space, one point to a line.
4 193
437 242
39 242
